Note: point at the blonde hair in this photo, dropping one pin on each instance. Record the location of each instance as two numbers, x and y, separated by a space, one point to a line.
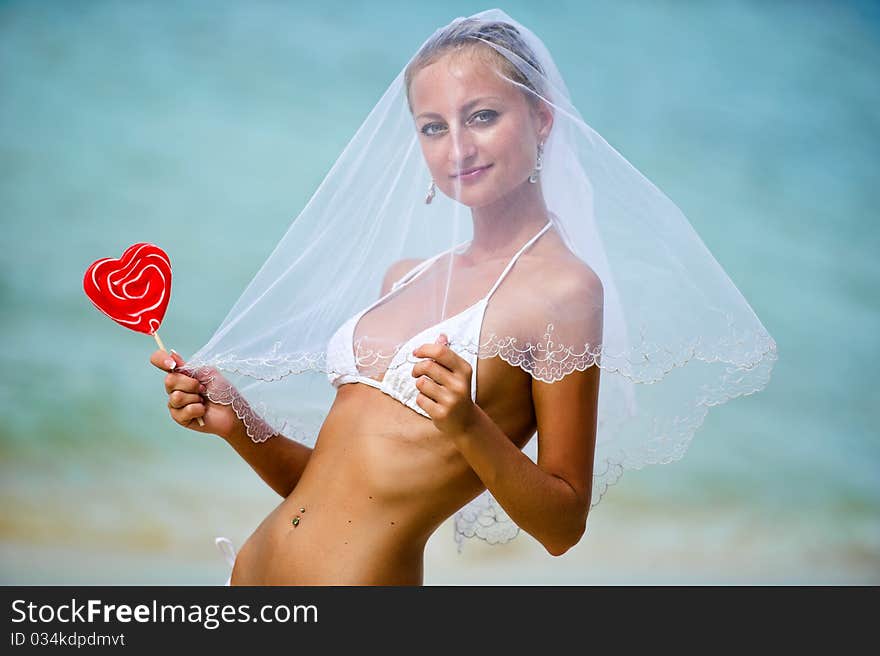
468 36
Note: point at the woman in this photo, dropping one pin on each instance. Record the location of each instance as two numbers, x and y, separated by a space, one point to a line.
402 448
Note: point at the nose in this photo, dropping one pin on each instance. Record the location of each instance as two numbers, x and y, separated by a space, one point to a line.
462 149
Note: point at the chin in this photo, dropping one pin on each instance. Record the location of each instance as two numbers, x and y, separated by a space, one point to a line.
472 201
475 198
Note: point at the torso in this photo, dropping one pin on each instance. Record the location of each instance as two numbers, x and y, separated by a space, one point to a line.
379 482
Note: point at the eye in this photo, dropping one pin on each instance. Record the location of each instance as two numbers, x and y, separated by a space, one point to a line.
427 129
485 116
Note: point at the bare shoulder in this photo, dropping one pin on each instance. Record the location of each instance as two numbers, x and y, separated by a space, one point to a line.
566 278
576 277
397 270
563 276
560 291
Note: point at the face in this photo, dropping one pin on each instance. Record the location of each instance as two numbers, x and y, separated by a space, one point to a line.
467 117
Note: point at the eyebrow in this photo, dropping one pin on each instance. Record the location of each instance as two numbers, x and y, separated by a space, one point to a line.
464 107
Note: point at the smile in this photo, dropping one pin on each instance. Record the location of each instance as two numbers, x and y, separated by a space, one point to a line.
472 174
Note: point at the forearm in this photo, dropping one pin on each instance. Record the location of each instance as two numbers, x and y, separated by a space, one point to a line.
279 461
542 504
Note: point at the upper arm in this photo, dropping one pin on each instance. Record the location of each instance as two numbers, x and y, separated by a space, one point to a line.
396 271
567 410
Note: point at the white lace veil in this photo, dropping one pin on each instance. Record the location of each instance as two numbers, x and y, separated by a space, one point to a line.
671 333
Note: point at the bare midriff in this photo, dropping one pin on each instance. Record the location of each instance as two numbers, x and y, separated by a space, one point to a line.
379 482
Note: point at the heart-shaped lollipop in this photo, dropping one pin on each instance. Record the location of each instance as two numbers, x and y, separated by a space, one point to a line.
133 290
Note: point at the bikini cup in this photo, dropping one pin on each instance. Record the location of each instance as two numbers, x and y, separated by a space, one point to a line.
398 382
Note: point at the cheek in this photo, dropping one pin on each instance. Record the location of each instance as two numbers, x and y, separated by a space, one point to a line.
510 150
434 155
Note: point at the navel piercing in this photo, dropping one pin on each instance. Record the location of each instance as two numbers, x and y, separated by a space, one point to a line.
431 191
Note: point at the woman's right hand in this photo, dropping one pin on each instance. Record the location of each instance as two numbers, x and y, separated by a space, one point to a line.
188 400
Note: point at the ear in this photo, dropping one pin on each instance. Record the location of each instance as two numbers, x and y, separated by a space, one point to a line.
543 113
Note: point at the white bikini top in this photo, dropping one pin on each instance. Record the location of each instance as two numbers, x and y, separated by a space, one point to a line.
398 381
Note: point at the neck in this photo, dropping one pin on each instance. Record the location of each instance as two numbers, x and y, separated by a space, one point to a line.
509 222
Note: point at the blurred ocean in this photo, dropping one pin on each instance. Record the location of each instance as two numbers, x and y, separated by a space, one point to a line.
205 127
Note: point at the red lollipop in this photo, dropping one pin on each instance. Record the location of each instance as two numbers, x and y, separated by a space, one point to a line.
133 290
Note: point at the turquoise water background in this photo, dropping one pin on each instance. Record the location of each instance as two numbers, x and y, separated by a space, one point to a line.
206 126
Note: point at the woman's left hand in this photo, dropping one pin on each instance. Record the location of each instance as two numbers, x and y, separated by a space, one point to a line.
444 383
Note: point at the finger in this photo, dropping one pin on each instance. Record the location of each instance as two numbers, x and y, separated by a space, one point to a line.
435 371
178 400
185 415
428 405
444 355
163 360
183 383
435 392
178 359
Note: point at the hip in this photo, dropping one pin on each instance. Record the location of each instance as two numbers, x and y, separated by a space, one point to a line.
323 541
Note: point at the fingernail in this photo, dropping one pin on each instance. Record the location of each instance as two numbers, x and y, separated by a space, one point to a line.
170 364
203 389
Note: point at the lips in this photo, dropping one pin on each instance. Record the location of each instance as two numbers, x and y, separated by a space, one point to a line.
470 170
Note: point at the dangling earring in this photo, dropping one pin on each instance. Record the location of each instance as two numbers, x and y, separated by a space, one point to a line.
431 191
539 164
